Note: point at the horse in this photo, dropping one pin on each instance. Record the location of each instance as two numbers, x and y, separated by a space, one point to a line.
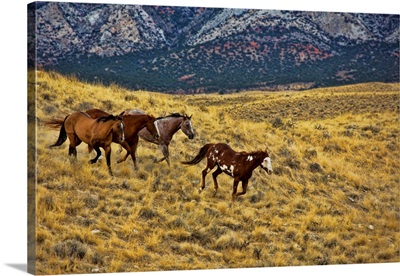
97 133
239 165
167 126
133 124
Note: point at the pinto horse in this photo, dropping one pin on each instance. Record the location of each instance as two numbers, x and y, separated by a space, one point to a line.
133 124
97 133
239 165
167 126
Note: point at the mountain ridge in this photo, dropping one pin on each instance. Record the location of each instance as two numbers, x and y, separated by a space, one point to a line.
191 50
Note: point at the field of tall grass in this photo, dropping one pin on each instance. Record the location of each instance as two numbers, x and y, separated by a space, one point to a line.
333 197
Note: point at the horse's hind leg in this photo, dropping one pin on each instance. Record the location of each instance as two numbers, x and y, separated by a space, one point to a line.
203 176
203 179
72 152
214 175
98 154
210 165
74 141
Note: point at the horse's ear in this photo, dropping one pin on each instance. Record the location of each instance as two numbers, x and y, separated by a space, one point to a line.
122 113
190 117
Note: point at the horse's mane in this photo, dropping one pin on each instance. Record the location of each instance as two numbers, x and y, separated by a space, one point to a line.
108 118
87 115
172 115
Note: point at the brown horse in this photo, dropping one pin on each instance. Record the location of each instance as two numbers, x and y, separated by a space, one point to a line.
97 133
167 126
239 165
133 124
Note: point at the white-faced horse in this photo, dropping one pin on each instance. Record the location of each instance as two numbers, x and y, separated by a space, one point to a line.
167 126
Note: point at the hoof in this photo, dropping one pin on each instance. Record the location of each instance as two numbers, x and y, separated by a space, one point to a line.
92 161
200 190
159 160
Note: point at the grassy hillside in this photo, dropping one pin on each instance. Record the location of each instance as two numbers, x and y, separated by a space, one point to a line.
333 197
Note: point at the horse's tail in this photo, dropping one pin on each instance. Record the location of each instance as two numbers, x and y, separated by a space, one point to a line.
54 123
62 137
202 153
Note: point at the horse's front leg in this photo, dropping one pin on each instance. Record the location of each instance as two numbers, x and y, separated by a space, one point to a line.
98 154
244 187
126 146
107 151
235 184
165 151
133 147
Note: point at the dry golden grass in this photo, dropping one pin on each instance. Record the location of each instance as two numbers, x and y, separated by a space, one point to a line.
333 199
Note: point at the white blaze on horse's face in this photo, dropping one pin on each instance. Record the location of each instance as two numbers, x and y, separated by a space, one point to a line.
266 165
120 131
156 125
191 127
187 128
123 131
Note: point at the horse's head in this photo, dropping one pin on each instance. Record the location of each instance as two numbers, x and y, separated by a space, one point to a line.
151 126
266 163
187 127
118 129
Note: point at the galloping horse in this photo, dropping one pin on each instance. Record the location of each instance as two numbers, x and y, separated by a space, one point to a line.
80 127
239 165
167 126
133 124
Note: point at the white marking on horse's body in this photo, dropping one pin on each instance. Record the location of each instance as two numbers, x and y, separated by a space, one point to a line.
212 156
227 169
249 158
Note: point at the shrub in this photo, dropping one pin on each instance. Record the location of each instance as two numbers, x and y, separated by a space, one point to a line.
315 167
277 122
70 249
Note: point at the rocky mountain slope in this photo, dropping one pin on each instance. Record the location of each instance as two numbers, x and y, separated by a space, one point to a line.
188 49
